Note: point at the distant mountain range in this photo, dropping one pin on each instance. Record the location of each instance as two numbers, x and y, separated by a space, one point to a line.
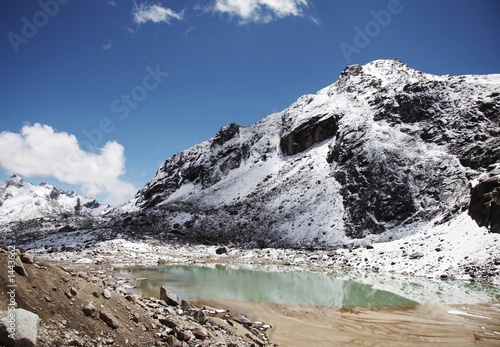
375 156
22 201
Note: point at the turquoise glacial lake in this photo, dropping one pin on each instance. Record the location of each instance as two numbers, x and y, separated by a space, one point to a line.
288 287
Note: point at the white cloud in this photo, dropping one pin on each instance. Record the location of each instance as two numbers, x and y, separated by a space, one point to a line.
39 150
107 46
260 11
144 13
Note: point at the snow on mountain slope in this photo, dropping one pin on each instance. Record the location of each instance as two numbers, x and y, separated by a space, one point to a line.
21 201
376 155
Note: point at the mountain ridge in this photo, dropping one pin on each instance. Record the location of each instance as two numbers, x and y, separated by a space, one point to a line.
375 155
22 201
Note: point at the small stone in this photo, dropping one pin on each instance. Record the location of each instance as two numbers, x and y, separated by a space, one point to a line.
167 321
186 335
83 275
200 316
73 291
106 293
27 258
131 298
200 333
173 341
48 299
89 309
221 250
134 317
96 294
109 319
416 255
242 319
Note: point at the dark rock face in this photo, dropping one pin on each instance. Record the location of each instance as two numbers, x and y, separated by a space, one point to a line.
315 130
225 134
484 205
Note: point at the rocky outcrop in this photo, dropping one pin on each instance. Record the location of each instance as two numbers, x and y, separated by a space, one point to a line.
484 205
315 130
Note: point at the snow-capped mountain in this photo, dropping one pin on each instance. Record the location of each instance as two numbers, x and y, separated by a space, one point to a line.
378 154
22 201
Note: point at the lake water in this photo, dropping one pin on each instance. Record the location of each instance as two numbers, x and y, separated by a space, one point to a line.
219 282
341 309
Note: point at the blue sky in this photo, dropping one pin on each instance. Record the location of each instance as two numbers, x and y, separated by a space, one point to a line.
95 95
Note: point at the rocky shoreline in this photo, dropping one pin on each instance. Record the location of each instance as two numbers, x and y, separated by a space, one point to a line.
88 306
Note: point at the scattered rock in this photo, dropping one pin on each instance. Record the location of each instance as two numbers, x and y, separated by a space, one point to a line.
109 319
73 291
186 335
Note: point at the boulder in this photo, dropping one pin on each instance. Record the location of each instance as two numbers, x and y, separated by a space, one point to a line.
484 206
170 298
20 329
19 267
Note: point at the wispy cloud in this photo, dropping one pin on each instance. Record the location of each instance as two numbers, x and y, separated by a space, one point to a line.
107 46
260 11
39 150
144 13
111 3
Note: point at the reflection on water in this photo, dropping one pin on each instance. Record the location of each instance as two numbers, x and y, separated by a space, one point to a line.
219 282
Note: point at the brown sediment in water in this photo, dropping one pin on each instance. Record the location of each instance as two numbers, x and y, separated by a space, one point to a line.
421 325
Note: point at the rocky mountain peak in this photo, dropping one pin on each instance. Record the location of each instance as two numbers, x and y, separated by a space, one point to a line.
375 155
